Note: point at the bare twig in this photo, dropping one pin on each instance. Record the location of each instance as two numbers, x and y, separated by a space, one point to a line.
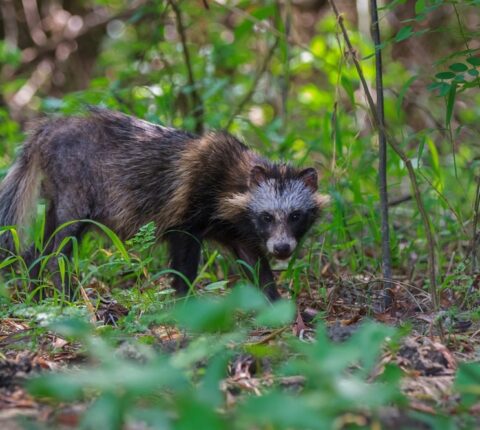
382 157
272 335
250 93
398 150
399 200
196 100
9 22
24 95
34 22
285 48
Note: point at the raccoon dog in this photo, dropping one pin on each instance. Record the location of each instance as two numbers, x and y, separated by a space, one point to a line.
124 172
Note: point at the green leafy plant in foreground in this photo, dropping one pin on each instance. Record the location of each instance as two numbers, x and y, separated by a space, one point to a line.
182 390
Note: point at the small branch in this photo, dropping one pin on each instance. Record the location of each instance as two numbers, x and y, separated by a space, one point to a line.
197 103
9 22
382 157
250 93
285 78
34 22
24 95
399 200
398 150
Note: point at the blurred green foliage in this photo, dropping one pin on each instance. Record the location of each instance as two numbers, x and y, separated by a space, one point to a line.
182 390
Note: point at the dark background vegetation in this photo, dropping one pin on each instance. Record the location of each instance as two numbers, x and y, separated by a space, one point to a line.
277 74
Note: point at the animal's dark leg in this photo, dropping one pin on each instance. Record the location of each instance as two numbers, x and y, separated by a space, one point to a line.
257 260
184 255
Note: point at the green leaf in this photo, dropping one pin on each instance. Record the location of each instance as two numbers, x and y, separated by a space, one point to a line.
404 33
458 67
209 388
107 412
13 231
57 386
244 28
108 232
434 86
467 382
195 414
419 6
130 377
247 298
474 61
280 313
282 411
444 89
9 261
473 72
71 327
435 158
375 335
445 75
205 315
9 54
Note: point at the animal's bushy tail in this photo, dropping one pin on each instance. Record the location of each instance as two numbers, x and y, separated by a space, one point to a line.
18 195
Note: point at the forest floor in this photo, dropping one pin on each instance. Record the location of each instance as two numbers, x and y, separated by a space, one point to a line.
428 355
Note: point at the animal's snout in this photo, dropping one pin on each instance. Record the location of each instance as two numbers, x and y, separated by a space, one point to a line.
282 250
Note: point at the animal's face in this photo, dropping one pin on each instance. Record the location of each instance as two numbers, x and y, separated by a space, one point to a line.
283 207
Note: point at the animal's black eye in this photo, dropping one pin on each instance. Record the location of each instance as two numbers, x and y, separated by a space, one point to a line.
295 216
266 217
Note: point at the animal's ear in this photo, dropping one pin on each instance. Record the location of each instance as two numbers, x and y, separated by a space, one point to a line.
258 175
310 178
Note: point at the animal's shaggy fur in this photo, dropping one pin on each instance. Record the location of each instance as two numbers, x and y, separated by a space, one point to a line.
125 172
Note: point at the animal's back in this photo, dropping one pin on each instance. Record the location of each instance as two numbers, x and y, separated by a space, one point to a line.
124 170
128 172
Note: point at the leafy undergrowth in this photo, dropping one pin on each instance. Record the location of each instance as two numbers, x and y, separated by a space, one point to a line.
229 359
128 355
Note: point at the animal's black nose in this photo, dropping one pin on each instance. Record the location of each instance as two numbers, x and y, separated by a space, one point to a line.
282 250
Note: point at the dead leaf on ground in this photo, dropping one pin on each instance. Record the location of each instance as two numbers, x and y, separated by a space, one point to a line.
426 357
